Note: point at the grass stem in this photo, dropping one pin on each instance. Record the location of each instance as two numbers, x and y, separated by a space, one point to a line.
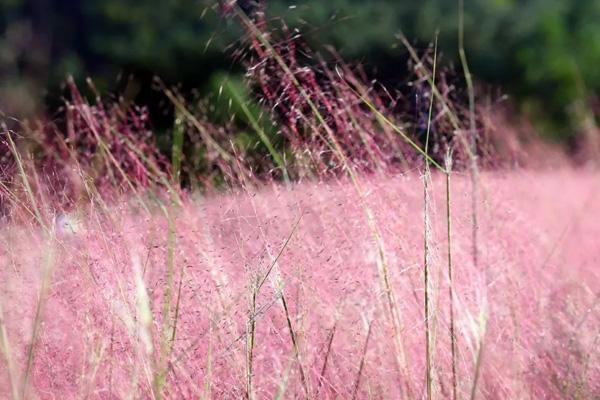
426 234
450 278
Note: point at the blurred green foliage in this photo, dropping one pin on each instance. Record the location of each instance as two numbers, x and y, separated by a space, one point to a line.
543 52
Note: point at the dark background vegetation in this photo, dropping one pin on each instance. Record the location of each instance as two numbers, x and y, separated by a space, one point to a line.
544 53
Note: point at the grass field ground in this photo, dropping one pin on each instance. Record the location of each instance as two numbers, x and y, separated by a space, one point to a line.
290 292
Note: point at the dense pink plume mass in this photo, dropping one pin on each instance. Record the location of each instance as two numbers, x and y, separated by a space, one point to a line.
531 303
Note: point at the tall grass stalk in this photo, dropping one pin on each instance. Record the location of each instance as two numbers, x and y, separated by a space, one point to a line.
326 359
177 309
474 188
446 109
294 339
426 237
250 337
472 135
450 278
362 361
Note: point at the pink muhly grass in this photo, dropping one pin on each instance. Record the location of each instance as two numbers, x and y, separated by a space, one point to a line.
92 337
314 289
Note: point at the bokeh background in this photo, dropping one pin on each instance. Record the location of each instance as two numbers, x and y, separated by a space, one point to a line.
544 54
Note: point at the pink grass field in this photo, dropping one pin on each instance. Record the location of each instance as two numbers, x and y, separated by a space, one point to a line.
532 302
